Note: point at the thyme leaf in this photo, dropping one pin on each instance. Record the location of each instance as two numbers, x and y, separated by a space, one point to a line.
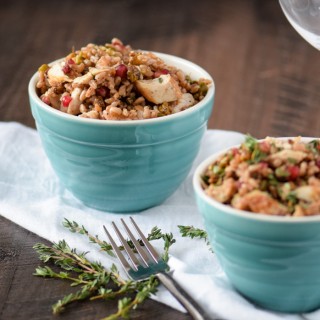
94 280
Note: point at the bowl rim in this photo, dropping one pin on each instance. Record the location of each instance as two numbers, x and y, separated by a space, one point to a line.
228 210
168 58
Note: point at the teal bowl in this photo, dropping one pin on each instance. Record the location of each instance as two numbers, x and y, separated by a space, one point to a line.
123 166
271 260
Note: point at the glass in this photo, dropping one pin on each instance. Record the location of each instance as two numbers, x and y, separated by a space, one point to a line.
304 16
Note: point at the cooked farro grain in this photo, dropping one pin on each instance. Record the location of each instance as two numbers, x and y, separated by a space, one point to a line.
114 82
273 176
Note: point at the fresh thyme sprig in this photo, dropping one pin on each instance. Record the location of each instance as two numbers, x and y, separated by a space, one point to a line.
94 280
155 234
192 232
75 228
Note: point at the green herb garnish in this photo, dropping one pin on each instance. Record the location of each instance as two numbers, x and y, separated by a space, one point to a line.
250 143
94 280
282 173
292 198
314 146
192 232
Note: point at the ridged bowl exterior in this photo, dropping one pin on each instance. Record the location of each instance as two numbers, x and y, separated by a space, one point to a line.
273 261
122 166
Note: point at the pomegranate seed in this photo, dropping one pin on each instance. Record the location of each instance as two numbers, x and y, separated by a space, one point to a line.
235 151
66 69
264 146
66 100
294 172
263 165
121 71
46 100
318 162
103 91
70 61
160 72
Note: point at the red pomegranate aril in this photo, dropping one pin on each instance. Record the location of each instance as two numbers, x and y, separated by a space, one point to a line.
235 151
103 91
160 72
70 61
66 100
264 146
46 100
66 69
121 71
294 172
264 165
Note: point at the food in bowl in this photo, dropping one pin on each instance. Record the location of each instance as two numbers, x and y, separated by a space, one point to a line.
272 176
272 260
123 166
115 82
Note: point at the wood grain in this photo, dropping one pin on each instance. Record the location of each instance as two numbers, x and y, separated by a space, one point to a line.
266 79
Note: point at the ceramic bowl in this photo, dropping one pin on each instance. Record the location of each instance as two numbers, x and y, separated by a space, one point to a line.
123 166
271 260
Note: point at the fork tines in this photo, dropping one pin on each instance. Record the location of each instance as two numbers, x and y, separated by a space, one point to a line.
153 256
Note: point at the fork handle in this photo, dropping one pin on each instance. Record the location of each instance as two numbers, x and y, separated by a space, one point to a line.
183 297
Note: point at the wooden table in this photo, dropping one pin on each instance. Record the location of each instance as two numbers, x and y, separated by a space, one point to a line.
267 83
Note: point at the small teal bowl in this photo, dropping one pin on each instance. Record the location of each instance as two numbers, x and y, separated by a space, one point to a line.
273 261
123 166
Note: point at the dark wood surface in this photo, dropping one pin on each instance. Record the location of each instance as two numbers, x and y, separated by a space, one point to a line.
266 76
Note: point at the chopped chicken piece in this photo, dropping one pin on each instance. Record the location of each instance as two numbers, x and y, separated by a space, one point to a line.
56 76
85 79
74 105
224 192
298 211
260 202
308 193
184 102
95 71
286 154
159 90
307 210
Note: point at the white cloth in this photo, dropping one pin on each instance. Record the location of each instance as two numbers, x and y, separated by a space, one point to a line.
31 196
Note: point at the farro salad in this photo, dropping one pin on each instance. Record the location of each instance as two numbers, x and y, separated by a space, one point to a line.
115 82
272 176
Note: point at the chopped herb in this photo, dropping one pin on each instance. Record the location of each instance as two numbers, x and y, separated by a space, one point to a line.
43 68
292 198
257 155
292 160
217 170
203 89
160 79
250 143
272 179
79 58
205 179
314 145
282 173
189 80
192 232
264 185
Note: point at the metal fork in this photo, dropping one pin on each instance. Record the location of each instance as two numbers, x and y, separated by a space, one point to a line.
152 265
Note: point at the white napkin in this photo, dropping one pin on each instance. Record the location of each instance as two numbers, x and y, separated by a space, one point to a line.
31 196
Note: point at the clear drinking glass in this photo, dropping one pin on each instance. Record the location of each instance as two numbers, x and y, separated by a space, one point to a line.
304 16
